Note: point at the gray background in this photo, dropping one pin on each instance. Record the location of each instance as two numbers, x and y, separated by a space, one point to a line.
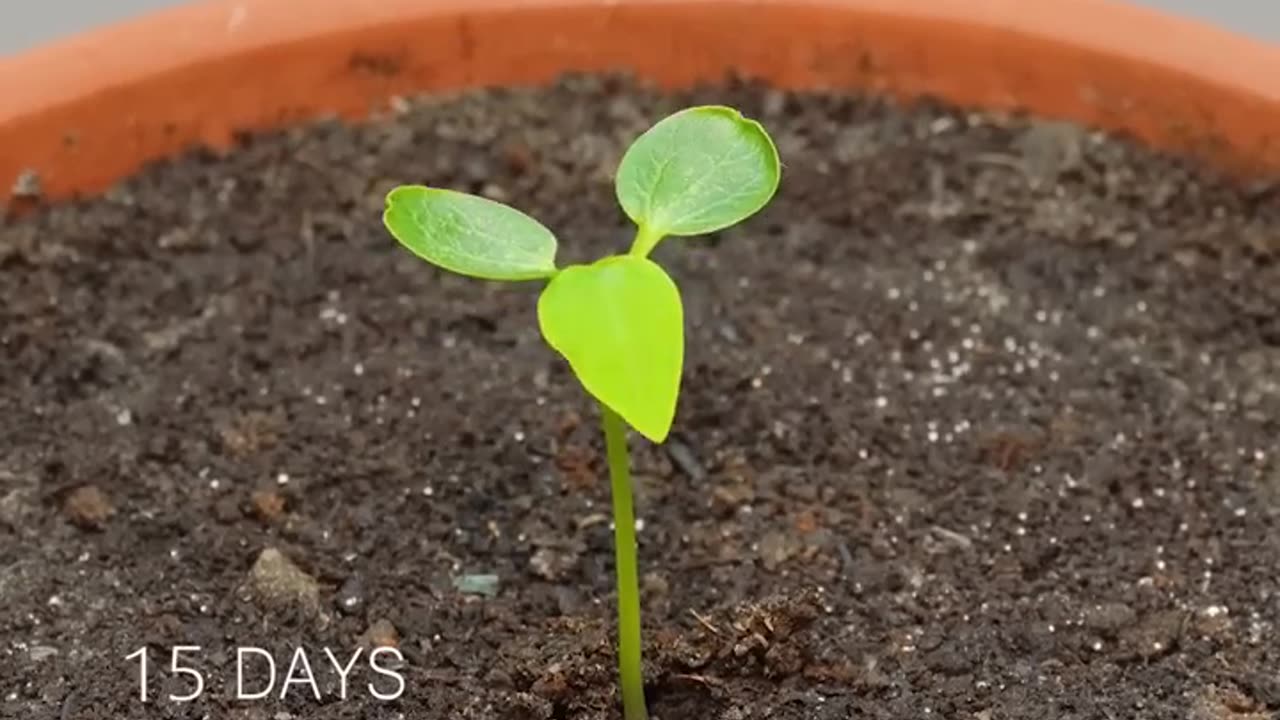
24 23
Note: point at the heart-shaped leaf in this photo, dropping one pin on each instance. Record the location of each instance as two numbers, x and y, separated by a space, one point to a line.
620 324
697 171
469 234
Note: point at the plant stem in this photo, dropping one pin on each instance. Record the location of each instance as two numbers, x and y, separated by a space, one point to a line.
646 240
624 540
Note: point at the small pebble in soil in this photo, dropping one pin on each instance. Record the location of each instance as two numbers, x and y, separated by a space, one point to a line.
350 597
380 634
685 459
655 584
552 564
483 585
276 583
1154 635
776 548
88 507
1227 702
1213 622
267 504
1108 619
27 186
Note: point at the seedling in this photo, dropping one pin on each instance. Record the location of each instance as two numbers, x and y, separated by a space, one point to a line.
619 321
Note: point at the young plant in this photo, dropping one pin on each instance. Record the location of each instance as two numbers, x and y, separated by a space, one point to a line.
618 321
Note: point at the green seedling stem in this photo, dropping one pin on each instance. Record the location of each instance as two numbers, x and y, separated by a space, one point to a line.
630 667
619 322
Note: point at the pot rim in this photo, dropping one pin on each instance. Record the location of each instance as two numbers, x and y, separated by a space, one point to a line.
200 72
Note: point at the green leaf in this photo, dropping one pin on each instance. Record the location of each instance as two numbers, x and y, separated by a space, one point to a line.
697 171
469 234
620 324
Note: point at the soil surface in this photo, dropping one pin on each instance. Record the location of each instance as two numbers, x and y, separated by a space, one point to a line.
979 422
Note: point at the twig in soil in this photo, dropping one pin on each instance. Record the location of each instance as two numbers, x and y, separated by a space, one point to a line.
846 558
705 680
168 339
1002 160
592 519
706 623
103 349
952 536
307 231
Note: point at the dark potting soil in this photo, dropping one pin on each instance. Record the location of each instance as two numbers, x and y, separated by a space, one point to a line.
979 422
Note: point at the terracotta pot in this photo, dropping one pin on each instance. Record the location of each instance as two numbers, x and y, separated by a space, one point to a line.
83 112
